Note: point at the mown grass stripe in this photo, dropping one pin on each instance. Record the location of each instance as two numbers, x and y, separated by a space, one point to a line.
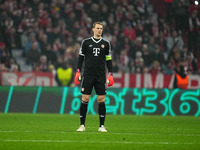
101 142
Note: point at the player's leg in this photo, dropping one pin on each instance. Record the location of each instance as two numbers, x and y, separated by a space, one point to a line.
102 112
83 111
86 89
83 108
101 91
101 109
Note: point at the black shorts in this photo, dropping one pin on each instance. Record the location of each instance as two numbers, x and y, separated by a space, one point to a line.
98 83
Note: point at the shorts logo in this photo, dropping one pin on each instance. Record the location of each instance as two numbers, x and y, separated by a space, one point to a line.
82 89
102 46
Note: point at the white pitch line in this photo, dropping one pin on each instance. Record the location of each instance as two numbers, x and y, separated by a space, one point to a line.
113 133
101 142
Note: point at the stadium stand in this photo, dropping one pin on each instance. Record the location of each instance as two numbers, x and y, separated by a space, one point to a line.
32 29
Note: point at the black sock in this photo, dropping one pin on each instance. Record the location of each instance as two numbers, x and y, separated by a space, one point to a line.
83 111
102 112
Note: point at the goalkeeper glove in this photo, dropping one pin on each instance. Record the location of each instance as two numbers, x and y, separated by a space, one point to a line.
77 77
110 80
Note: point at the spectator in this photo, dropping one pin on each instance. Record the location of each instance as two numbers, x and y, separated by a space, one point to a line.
43 65
161 41
64 75
157 55
175 55
191 64
14 68
136 47
43 42
132 66
151 45
194 7
57 45
183 53
124 59
12 40
44 19
107 36
117 46
3 68
148 25
94 13
168 7
30 43
59 62
51 55
115 66
129 32
139 29
146 55
2 48
155 29
141 7
175 40
140 68
194 25
24 38
170 66
12 65
4 58
126 44
165 29
138 58
155 67
146 37
180 8
33 54
139 63
68 55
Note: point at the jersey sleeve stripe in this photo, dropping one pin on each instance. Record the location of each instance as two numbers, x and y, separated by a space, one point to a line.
109 46
81 54
80 51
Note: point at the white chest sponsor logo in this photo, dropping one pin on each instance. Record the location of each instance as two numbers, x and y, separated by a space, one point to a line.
96 51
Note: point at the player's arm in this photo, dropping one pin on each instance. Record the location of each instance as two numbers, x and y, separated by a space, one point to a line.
79 64
109 63
110 80
78 75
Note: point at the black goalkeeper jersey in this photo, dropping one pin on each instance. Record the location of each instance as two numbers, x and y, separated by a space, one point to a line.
95 52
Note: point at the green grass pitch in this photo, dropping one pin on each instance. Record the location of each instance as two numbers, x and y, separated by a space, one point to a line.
20 131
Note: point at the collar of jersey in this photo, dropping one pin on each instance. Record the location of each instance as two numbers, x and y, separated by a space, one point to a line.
96 41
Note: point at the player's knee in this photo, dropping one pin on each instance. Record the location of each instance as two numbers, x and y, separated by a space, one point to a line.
100 99
85 98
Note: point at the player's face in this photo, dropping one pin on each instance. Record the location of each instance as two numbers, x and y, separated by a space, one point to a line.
98 29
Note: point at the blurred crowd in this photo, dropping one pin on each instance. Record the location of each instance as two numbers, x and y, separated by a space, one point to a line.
50 32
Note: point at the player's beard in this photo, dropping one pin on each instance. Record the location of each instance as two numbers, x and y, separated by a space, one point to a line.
98 35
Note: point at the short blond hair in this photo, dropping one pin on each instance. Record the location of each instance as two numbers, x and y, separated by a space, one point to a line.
98 22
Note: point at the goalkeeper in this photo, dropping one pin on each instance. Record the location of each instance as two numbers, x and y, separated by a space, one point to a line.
95 52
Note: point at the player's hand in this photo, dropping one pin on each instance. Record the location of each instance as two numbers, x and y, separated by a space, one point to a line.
110 80
77 77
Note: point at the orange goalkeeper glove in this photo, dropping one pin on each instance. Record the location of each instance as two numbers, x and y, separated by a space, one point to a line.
110 80
77 77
